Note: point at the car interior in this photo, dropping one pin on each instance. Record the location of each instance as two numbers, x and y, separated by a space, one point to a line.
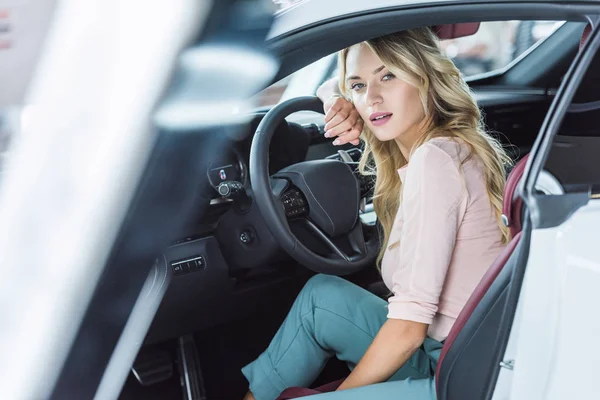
228 281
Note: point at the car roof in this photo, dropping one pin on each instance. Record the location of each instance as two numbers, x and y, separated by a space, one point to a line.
309 12
305 13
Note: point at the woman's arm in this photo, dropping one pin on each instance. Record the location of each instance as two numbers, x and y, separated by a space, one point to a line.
395 343
328 89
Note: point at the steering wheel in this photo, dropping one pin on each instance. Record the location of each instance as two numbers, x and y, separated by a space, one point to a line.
324 194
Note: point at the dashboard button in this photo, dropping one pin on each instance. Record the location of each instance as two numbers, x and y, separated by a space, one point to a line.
178 269
197 264
187 265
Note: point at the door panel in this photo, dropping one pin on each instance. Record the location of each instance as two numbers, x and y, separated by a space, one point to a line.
560 300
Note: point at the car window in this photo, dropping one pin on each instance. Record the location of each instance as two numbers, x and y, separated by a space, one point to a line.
495 45
572 164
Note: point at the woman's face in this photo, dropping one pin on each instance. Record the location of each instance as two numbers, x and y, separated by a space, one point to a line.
390 107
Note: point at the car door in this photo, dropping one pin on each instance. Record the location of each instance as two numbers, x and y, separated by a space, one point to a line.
554 297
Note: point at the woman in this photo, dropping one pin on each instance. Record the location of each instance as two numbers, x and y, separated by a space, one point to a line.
438 197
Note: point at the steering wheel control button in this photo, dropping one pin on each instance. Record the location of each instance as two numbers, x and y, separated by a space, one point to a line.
230 188
191 264
294 203
235 190
224 190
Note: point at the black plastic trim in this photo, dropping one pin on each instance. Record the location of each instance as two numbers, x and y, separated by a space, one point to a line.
506 96
557 209
180 305
514 290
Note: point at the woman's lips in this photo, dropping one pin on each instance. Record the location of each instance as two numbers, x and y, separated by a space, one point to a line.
382 120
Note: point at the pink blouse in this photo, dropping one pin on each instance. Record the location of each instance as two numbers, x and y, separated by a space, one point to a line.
448 236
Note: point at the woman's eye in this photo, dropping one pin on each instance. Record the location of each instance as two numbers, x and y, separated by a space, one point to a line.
388 76
357 86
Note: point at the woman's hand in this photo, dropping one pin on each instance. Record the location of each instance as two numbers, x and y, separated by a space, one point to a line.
341 118
393 346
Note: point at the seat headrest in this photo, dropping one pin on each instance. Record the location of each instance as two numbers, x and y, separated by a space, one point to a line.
512 204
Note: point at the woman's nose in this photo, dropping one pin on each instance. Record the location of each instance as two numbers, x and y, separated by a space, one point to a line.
373 96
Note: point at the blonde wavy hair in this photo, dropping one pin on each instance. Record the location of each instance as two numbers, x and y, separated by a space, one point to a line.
415 57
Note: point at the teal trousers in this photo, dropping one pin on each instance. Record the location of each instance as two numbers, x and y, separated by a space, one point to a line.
332 317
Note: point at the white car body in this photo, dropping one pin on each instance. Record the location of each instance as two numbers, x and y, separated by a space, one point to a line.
555 356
